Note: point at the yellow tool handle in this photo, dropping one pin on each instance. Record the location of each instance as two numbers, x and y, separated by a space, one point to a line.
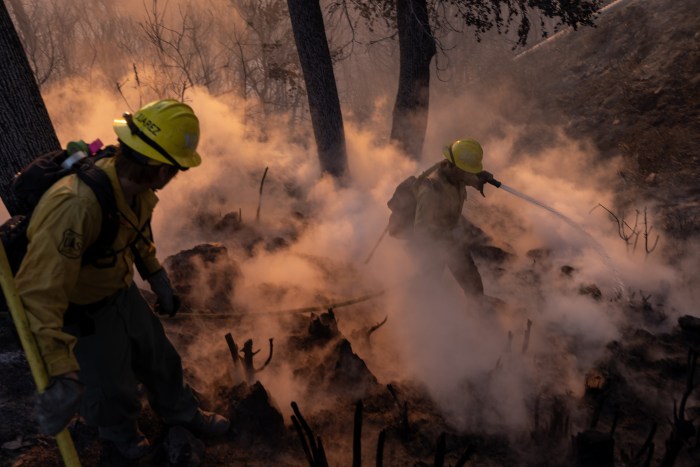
36 364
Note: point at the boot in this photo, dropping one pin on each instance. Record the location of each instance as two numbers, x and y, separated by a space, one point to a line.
130 443
208 424
133 448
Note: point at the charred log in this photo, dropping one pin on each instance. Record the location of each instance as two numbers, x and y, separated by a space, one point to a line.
233 349
440 451
646 451
248 357
324 327
682 430
380 448
466 455
364 334
303 439
357 436
376 326
311 444
262 183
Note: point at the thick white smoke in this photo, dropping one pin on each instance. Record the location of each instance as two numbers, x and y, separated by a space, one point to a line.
457 348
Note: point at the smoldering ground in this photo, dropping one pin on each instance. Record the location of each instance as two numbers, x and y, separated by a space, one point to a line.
456 348
460 351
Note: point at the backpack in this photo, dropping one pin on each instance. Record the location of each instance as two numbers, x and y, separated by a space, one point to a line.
403 205
36 178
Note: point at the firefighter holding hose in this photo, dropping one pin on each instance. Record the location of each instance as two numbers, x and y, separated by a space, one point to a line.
427 211
96 335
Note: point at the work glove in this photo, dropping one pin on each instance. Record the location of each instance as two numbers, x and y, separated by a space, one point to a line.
168 302
479 180
58 403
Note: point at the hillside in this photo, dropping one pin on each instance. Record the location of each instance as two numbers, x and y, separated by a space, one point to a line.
631 85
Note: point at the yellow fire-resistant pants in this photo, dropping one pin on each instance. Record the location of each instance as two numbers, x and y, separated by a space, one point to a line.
120 345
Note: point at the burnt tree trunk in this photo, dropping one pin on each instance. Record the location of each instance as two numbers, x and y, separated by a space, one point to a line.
321 90
417 48
26 127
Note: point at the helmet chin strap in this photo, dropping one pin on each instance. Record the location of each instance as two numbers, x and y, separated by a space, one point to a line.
136 131
452 156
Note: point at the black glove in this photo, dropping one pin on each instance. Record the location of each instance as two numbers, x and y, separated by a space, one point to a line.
479 180
58 403
158 308
160 285
168 303
484 177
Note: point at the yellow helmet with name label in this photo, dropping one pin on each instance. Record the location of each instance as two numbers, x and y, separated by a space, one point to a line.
465 154
165 131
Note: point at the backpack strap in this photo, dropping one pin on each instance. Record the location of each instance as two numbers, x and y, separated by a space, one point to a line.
429 170
138 261
99 183
425 174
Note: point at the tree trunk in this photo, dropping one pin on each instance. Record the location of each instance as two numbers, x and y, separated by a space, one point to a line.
417 48
324 104
26 128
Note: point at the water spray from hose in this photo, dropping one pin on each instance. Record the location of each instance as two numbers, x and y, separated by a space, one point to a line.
620 289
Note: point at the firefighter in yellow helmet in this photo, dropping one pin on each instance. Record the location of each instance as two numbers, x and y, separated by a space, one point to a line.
439 229
97 335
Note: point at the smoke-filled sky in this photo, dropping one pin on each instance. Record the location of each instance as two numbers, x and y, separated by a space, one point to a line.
433 334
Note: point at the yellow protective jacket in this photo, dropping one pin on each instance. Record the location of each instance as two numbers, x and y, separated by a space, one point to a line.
65 222
439 204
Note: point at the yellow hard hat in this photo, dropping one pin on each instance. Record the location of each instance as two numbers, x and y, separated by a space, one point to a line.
165 131
465 154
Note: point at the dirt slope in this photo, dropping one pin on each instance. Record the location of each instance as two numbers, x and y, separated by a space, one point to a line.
632 85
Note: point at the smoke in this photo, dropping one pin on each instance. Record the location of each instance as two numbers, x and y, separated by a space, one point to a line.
434 335
458 348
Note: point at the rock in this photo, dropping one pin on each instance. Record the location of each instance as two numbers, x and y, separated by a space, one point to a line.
593 449
182 448
15 444
567 270
592 290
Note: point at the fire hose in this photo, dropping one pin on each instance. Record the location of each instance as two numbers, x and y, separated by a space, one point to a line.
190 313
36 363
198 313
